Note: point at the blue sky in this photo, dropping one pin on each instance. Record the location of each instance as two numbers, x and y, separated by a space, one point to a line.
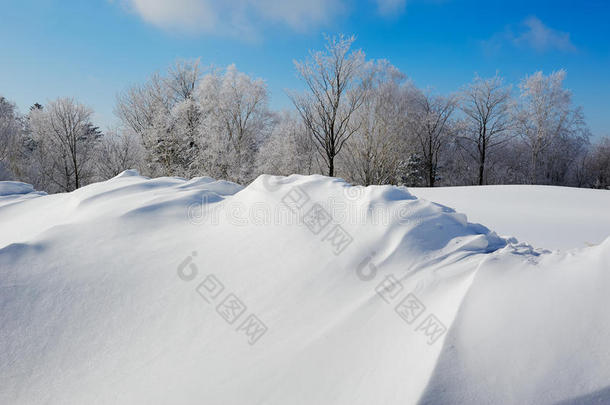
93 49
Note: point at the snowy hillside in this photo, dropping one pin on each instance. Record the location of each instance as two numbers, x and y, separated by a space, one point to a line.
296 290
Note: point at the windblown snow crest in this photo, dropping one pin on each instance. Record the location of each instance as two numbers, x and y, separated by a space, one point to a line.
299 289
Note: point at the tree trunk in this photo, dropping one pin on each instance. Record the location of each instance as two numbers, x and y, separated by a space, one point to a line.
76 175
482 164
533 175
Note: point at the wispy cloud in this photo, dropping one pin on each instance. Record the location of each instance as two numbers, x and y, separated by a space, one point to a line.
394 8
542 38
391 7
532 34
235 18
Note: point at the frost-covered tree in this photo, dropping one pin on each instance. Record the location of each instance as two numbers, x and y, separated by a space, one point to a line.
457 167
545 118
599 165
137 106
375 151
11 128
182 79
411 172
289 149
559 163
336 80
65 142
192 124
118 151
431 127
163 112
358 119
184 116
486 107
235 121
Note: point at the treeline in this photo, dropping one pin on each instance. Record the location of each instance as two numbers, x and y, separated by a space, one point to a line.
359 119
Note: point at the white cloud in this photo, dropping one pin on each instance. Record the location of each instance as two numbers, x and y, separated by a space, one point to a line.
300 14
235 17
176 13
533 34
542 38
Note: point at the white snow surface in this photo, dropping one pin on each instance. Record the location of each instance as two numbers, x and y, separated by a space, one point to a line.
545 216
111 294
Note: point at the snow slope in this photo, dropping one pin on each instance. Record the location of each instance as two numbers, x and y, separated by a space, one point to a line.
296 290
545 216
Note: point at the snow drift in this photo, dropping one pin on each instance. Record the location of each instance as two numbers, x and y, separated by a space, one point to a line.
296 290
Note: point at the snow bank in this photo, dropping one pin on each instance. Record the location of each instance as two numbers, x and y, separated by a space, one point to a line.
293 290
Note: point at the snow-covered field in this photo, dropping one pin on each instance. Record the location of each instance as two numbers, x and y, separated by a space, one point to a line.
300 290
544 216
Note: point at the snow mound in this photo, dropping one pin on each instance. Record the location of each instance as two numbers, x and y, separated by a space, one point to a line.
293 290
15 191
127 173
